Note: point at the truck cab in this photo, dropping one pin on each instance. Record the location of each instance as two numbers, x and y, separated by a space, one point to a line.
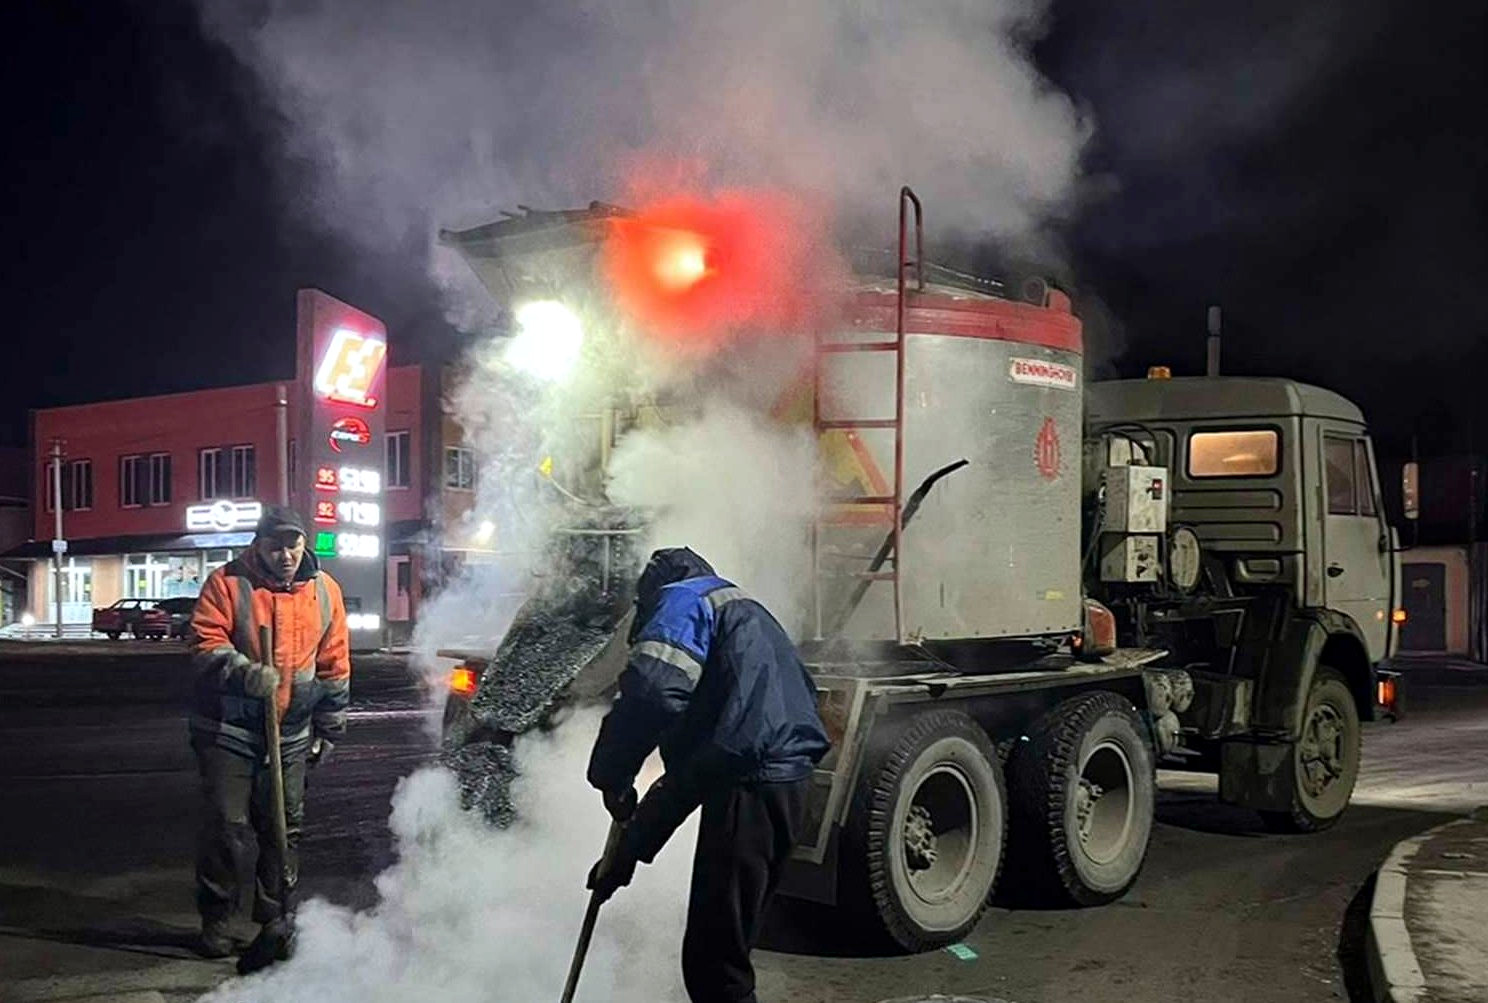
1275 582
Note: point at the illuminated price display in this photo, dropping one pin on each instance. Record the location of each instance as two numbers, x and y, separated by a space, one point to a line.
347 545
357 480
358 545
353 480
360 513
342 373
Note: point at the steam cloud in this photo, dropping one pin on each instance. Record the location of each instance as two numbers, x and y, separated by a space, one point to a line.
735 489
433 114
474 914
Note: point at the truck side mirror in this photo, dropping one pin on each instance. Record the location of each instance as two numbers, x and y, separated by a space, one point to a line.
1410 493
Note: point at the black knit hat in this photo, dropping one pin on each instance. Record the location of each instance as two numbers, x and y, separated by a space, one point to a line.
279 519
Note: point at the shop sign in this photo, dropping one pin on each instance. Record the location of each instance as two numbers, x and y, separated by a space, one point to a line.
223 516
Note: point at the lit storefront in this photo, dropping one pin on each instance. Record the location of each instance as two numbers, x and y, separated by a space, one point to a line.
157 492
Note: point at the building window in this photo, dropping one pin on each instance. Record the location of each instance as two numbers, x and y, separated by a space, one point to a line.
244 472
397 459
160 479
459 468
132 481
77 485
1234 453
211 475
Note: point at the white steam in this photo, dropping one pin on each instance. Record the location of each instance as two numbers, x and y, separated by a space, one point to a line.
735 488
421 115
469 914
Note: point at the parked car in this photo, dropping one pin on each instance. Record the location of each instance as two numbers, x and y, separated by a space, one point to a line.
140 617
179 608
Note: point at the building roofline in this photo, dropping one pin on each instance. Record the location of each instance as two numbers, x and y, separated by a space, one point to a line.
265 384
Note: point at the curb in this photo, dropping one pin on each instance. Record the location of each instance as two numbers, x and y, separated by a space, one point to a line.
1394 973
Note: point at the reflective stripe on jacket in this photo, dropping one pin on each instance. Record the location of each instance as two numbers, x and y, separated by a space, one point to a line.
712 677
311 652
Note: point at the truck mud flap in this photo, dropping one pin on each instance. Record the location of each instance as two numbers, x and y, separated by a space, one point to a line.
1256 774
802 879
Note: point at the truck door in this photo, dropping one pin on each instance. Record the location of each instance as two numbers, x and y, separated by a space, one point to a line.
1357 560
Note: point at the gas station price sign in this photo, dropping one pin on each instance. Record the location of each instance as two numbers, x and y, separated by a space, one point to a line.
343 380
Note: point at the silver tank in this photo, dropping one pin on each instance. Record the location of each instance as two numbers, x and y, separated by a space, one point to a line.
993 550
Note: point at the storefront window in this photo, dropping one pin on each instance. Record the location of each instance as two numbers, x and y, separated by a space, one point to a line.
77 580
214 559
162 576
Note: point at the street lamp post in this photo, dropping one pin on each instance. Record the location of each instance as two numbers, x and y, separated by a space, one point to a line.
59 543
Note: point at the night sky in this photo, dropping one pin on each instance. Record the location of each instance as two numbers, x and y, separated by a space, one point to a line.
1319 174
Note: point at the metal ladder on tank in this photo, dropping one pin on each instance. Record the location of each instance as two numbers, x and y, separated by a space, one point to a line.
824 350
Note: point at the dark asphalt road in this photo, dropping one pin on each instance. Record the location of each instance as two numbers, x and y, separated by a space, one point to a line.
99 796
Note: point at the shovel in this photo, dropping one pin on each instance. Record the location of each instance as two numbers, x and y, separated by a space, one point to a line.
273 945
586 932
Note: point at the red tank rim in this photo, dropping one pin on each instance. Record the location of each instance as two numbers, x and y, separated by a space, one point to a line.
970 317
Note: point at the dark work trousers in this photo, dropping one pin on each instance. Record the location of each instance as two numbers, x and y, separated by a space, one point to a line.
747 833
238 800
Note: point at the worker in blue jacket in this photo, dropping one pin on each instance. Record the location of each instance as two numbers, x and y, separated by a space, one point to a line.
713 681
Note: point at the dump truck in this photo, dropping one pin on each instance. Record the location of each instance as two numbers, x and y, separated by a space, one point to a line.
1031 594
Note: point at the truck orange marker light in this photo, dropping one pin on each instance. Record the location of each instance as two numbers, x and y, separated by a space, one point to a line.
463 681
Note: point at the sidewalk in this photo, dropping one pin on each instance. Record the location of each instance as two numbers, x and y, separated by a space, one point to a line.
1438 670
1428 924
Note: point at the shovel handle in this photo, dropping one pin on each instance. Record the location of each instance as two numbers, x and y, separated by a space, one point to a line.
591 914
276 766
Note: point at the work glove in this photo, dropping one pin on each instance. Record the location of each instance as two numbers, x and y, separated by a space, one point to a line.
620 804
606 881
320 750
260 680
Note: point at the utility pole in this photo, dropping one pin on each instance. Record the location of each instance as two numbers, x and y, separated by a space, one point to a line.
59 543
281 419
1211 367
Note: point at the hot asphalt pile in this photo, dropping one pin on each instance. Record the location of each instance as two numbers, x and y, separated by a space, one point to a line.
527 685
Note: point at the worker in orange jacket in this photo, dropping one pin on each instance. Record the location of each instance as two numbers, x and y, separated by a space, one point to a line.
276 582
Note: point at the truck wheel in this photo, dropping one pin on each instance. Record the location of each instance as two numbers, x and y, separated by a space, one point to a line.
1084 793
925 836
1325 758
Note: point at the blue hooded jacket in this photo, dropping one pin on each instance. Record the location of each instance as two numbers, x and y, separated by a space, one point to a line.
713 680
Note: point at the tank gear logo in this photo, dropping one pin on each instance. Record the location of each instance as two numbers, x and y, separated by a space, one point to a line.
1046 451
350 429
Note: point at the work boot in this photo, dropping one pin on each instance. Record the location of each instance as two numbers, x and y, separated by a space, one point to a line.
275 942
214 940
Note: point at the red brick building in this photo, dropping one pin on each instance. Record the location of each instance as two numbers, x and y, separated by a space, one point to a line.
141 477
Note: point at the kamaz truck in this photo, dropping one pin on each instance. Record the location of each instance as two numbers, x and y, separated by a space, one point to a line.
1030 595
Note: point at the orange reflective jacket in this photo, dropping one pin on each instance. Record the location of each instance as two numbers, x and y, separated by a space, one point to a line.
307 621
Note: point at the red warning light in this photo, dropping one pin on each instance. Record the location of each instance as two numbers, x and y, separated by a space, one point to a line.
694 271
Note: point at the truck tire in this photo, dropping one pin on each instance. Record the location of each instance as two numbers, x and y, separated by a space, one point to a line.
925 836
1325 758
1083 796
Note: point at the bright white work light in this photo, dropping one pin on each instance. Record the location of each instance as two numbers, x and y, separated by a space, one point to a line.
548 340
